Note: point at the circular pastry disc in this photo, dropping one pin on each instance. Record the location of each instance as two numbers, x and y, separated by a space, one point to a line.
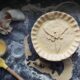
55 36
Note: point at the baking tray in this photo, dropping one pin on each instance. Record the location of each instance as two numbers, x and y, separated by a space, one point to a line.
15 56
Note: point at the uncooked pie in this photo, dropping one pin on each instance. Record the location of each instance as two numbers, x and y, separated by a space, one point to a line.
55 36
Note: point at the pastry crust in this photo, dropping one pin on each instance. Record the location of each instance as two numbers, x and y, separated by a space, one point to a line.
55 36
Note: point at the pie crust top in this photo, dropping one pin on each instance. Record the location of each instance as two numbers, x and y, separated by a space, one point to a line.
55 36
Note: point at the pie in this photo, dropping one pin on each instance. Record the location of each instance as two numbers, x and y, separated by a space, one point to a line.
55 36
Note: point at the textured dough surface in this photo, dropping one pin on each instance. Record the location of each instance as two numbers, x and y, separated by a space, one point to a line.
54 28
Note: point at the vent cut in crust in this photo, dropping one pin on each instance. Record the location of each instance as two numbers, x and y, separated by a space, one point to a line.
55 36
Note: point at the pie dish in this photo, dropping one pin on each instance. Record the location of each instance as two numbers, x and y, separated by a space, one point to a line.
55 36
